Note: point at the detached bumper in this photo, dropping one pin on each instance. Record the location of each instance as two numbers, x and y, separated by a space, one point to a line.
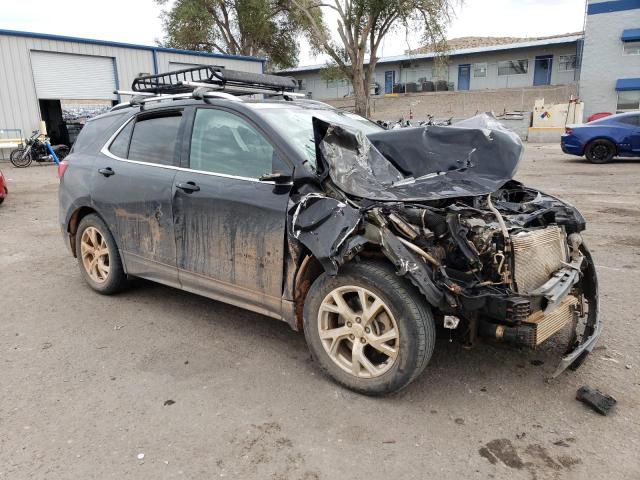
575 357
579 350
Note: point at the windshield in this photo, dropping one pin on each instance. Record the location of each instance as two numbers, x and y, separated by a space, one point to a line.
295 122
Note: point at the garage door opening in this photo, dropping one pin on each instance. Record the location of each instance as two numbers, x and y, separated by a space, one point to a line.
51 114
65 118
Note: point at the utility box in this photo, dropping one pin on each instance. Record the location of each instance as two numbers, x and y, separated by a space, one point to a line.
549 121
557 115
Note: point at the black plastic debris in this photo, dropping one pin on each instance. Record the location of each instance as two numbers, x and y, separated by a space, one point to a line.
323 224
595 399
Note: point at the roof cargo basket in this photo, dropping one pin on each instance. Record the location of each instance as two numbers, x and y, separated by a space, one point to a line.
219 78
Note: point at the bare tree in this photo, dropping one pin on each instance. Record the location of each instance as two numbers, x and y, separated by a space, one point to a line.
362 25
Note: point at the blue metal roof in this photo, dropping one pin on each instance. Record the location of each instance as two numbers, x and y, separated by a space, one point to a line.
631 35
107 43
625 84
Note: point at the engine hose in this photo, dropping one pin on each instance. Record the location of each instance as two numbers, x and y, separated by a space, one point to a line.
503 226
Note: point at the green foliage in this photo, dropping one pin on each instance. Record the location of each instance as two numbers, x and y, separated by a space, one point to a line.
240 27
361 26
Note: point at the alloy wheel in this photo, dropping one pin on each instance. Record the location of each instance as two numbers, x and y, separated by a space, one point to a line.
601 152
95 254
358 331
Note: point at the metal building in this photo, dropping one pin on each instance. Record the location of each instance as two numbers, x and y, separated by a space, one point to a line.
610 73
536 62
64 80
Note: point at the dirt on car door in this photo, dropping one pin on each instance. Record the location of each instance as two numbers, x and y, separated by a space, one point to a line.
230 227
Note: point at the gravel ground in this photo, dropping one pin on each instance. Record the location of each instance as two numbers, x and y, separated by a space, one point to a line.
158 383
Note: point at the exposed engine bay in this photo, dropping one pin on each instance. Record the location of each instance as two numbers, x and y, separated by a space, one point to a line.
492 257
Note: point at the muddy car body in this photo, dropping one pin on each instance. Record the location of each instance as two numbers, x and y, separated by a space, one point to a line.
369 240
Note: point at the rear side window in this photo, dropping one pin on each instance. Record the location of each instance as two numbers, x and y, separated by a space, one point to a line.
225 143
155 139
120 146
631 120
96 132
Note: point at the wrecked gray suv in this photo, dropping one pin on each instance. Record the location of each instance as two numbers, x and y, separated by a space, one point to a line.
371 241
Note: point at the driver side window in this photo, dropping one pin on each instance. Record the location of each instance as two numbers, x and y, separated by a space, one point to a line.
222 142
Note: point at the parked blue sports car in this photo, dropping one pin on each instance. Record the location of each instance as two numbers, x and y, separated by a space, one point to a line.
603 139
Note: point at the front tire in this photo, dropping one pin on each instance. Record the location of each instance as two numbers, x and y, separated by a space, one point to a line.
600 151
19 160
368 328
98 256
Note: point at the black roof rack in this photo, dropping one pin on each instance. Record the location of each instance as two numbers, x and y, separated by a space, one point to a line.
186 80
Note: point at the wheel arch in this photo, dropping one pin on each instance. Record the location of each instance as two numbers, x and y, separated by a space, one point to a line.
308 271
74 220
602 137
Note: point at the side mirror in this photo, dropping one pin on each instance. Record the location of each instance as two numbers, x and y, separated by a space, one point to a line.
278 177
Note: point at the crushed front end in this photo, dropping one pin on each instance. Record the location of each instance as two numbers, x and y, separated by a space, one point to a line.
514 277
494 258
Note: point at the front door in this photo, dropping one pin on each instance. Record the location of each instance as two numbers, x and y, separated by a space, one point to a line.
133 193
464 77
230 227
542 72
389 80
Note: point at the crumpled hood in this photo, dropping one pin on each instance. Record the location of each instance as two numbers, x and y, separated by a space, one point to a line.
475 157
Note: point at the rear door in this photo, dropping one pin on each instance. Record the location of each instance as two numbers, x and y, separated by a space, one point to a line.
133 192
230 227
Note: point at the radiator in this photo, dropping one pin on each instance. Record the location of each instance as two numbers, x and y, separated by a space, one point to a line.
537 255
546 325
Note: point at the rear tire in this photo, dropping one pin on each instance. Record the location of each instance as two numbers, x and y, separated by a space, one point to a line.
98 256
18 161
350 347
600 151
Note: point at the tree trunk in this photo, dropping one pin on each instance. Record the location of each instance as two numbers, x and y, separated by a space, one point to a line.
361 92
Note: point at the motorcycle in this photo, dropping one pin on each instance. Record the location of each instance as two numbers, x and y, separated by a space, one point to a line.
35 149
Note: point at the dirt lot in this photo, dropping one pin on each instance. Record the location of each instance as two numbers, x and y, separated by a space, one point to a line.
203 390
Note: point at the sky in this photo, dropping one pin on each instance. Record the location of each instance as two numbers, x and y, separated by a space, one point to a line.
137 21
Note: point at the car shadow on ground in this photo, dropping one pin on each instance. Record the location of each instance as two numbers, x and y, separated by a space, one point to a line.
584 161
451 365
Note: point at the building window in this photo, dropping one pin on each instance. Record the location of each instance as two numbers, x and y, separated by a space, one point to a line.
302 84
567 63
479 70
628 100
631 48
513 67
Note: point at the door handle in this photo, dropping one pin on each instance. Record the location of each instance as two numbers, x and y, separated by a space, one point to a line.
107 172
188 187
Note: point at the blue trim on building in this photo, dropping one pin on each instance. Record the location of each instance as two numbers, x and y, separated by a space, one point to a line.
154 54
631 35
106 43
612 6
626 84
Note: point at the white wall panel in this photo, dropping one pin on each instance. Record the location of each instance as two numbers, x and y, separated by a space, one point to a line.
72 76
